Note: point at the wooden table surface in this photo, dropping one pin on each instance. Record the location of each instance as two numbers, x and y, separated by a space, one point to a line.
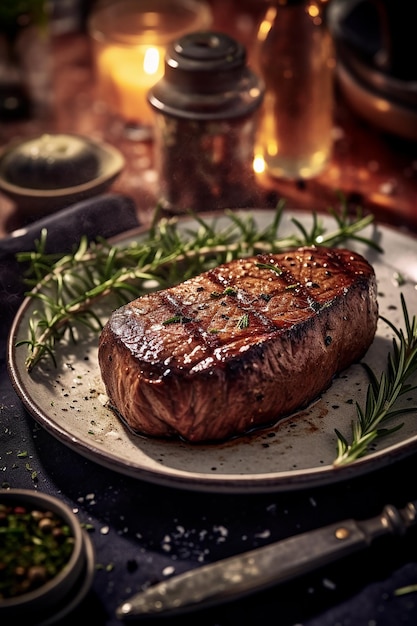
371 169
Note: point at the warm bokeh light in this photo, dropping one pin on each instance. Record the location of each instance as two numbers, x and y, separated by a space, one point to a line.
313 10
265 25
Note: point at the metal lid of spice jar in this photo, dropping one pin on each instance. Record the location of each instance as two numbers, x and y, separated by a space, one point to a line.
206 78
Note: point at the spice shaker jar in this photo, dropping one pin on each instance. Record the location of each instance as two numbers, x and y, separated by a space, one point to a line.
205 122
295 57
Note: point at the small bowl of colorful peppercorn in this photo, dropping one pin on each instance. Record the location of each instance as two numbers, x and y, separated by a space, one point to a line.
46 558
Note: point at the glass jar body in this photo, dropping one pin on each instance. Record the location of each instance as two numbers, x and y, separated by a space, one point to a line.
204 164
295 58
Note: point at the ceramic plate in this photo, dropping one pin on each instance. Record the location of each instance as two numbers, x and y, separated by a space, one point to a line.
70 402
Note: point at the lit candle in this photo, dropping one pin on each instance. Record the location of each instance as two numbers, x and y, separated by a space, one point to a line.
125 74
128 46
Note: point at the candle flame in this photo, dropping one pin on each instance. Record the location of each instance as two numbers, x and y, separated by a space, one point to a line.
259 164
151 61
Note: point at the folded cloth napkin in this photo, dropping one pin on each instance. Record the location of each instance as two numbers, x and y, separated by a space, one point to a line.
105 216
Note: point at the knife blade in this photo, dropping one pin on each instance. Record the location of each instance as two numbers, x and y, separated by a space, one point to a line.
261 568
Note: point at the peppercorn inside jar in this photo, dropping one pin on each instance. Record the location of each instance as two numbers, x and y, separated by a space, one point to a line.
205 122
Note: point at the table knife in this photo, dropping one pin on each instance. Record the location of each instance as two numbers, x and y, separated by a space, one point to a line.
261 568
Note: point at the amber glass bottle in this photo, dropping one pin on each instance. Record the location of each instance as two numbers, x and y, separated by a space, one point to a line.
295 58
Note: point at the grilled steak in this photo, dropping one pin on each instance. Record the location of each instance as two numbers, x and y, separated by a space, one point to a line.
239 346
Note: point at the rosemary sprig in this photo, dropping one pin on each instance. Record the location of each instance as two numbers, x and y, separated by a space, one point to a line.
383 394
69 289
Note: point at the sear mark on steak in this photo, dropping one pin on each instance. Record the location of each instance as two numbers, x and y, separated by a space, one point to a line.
239 346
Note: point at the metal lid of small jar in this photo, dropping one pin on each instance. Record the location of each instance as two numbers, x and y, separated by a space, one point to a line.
206 78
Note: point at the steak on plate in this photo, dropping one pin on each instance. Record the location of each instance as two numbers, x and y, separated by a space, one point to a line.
240 345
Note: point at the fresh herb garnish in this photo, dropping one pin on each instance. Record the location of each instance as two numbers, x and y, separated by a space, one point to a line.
269 266
383 393
177 319
243 322
229 291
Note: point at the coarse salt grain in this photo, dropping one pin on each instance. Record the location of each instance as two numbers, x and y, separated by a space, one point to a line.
264 534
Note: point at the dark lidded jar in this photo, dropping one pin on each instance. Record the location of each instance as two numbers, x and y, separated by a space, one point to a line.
205 124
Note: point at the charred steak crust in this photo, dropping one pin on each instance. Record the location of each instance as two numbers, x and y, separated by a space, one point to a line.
238 346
